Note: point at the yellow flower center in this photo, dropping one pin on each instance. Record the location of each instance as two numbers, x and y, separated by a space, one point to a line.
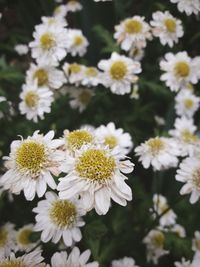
188 137
85 97
111 141
63 213
3 237
42 77
155 145
118 70
133 26
196 181
96 165
158 239
76 139
31 157
23 236
74 68
91 72
170 25
182 69
47 41
188 103
78 40
13 263
31 99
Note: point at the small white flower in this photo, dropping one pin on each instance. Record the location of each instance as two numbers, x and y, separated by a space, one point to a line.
136 53
75 258
119 73
31 163
166 27
21 49
186 103
73 6
113 137
35 101
77 43
183 263
189 173
45 75
179 69
196 242
2 99
58 219
188 6
80 98
160 152
179 230
23 240
95 173
7 240
91 76
60 11
132 32
125 262
74 73
159 120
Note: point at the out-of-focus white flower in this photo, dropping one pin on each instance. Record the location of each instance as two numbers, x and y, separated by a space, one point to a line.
35 101
125 262
166 27
183 263
159 120
186 103
2 99
60 11
21 49
95 173
74 72
75 258
179 230
161 207
188 6
59 219
76 43
7 240
136 53
23 239
154 242
160 152
73 6
132 32
135 92
112 137
91 76
196 242
45 75
189 173
119 73
80 98
179 70
31 163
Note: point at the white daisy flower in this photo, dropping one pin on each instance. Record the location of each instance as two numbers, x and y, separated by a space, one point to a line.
189 173
179 230
154 242
113 137
184 134
132 32
21 49
160 152
32 259
31 163
95 173
161 207
119 73
183 263
188 6
186 103
166 27
35 101
73 6
80 98
50 43
92 76
125 262
74 72
45 75
58 219
179 70
60 11
23 238
75 258
7 240
77 43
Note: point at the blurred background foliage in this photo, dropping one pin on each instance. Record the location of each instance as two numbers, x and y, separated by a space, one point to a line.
121 231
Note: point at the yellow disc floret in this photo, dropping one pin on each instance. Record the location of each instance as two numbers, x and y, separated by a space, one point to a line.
96 165
74 68
118 70
170 25
182 69
110 140
76 139
3 236
188 103
188 137
31 99
133 26
13 263
91 72
84 97
78 40
158 239
47 41
63 213
23 237
155 145
31 157
196 180
42 76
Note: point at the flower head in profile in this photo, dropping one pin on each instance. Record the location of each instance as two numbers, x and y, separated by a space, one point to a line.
31 164
95 173
58 219
119 73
